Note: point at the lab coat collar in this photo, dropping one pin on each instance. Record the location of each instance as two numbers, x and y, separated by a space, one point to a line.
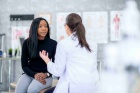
73 36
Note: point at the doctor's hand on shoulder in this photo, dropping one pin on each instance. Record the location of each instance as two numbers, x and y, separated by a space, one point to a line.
44 56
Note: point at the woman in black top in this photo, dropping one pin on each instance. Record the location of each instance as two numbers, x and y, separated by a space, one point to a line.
36 75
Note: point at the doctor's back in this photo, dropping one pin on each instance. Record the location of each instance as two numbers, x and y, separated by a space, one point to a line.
81 66
76 60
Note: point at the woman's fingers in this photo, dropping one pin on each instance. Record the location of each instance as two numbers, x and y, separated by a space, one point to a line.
42 75
41 80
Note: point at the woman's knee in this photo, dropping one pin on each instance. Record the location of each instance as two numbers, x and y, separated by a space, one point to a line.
49 81
23 83
36 86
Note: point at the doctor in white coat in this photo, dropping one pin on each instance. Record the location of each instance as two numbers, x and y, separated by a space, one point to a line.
75 60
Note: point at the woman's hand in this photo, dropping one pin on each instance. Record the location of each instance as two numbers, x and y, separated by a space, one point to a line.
44 56
41 77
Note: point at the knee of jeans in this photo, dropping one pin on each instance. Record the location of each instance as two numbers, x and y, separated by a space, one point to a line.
32 90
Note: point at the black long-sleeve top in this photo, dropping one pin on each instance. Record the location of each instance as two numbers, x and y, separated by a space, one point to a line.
36 65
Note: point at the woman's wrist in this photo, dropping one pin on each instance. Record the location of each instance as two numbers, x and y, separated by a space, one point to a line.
35 75
47 74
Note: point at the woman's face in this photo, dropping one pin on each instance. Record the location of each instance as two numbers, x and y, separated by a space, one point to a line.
42 29
67 29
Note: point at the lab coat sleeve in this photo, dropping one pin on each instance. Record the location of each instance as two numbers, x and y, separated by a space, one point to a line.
58 67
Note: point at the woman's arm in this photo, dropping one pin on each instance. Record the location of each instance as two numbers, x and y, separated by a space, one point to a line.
24 60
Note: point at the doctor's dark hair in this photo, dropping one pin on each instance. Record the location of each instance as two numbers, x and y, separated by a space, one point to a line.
74 22
33 36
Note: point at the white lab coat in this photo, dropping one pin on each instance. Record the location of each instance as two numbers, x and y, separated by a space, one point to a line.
76 67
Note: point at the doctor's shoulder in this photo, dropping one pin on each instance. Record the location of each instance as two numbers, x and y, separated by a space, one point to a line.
65 43
92 45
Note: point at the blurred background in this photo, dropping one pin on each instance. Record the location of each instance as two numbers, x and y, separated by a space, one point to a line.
113 24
